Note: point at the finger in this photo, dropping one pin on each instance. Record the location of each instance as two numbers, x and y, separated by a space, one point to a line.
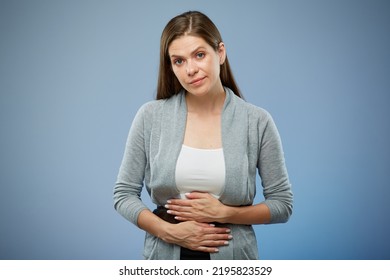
217 230
176 209
215 243
196 195
210 238
182 219
212 229
207 249
211 246
181 215
179 202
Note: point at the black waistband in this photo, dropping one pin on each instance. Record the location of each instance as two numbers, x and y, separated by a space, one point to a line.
161 212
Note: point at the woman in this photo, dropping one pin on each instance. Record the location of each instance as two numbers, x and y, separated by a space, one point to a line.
197 149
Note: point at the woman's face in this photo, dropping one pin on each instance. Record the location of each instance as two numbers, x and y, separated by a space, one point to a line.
197 65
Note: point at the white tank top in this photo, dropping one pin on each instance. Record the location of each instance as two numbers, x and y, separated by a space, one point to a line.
200 170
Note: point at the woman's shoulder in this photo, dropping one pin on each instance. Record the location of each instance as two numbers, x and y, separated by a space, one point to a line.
254 111
150 106
155 107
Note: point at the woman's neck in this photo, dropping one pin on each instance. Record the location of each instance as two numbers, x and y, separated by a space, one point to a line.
211 103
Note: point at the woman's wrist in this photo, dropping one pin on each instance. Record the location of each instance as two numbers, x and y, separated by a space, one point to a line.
156 226
226 213
165 232
246 215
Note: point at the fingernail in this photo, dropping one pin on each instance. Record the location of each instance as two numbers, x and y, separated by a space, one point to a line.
212 225
230 236
216 250
168 201
166 206
228 230
169 211
226 242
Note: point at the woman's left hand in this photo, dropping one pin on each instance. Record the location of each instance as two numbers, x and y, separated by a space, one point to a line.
200 207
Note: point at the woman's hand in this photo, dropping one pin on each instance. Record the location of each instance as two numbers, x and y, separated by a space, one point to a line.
200 207
198 236
192 235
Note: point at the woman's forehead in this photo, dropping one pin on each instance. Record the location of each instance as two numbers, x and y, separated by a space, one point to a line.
186 45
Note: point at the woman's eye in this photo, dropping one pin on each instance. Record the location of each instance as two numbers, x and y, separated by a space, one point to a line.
200 55
178 61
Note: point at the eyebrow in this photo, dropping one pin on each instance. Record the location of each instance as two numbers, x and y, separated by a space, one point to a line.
193 52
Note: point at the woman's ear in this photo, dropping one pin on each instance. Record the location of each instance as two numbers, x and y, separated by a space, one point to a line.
221 53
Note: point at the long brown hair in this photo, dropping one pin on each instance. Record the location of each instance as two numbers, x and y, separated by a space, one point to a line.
196 24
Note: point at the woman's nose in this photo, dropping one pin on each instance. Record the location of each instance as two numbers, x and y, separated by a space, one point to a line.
191 68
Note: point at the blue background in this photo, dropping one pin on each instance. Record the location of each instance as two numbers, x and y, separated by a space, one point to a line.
73 74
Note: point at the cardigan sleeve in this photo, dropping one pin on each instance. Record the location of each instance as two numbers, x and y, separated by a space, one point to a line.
272 170
130 180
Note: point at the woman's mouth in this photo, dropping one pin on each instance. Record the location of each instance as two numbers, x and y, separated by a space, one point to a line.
197 82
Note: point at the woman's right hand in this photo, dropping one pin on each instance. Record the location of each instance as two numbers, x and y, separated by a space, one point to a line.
197 236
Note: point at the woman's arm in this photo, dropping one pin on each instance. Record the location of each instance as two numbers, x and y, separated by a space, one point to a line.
203 207
248 215
273 173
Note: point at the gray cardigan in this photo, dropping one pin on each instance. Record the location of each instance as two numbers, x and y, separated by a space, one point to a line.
250 142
